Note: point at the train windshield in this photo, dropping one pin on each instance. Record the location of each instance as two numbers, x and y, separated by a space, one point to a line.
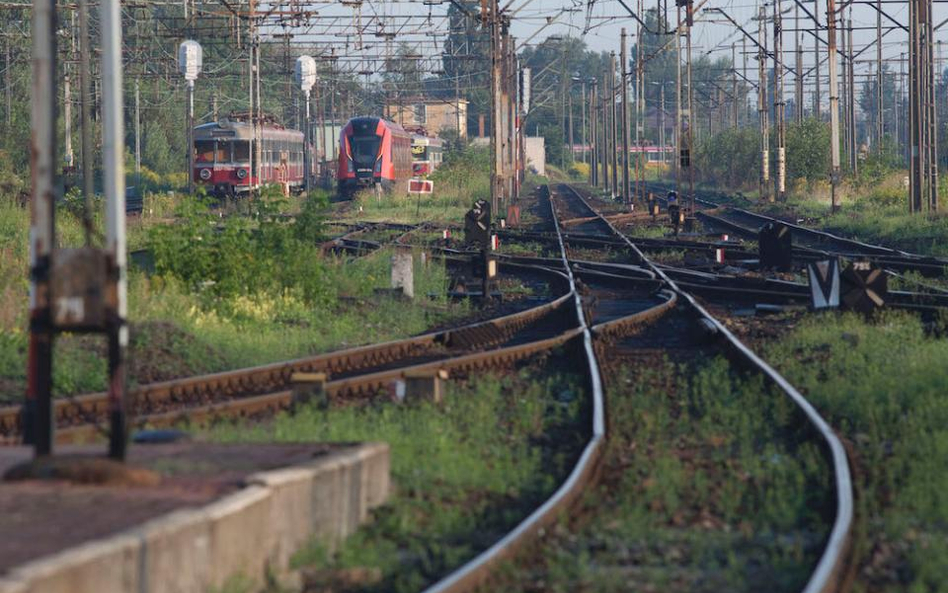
241 151
365 149
204 151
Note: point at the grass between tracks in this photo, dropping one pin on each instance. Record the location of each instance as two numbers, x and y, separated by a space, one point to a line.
249 292
882 385
465 472
707 485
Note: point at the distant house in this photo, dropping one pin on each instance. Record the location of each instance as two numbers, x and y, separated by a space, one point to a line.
435 115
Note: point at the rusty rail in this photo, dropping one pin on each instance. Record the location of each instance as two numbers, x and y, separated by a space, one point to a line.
830 568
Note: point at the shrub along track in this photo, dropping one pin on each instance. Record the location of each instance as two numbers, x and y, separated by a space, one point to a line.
681 328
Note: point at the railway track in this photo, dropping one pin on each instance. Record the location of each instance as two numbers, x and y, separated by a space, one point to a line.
810 244
679 310
352 373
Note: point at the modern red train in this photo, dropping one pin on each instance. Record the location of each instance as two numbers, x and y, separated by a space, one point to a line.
373 152
223 153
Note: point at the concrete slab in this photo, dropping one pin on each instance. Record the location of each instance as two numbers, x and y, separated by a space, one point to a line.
250 530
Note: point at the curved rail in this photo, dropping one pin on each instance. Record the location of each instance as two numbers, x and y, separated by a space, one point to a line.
476 570
276 376
828 570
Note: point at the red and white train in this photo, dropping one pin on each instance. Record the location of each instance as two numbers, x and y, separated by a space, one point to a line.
375 152
224 152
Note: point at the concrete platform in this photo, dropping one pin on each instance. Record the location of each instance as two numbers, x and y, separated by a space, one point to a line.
220 511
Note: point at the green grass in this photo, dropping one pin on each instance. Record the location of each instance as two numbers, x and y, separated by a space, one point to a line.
181 324
708 485
882 385
465 471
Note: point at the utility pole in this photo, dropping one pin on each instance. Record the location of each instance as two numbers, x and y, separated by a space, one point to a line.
496 72
880 112
38 404
924 163
780 183
606 91
583 128
593 134
7 82
67 122
613 126
762 104
834 100
851 98
624 57
798 80
817 98
138 141
85 105
113 176
735 105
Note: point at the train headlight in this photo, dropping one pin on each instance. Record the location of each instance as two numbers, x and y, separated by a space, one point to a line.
205 174
241 173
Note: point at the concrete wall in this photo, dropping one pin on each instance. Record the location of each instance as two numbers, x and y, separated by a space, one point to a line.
245 533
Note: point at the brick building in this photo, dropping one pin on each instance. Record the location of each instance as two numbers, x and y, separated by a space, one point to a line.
435 115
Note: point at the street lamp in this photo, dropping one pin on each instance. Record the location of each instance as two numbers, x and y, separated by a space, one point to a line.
306 77
190 61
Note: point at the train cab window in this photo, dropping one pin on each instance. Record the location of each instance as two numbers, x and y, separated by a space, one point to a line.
241 152
204 151
223 152
365 149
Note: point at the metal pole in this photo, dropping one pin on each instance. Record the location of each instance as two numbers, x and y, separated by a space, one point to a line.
780 183
593 136
798 79
851 98
817 88
67 120
661 123
190 124
834 99
497 160
113 161
624 57
880 112
85 105
689 132
37 407
138 141
308 143
8 84
762 105
613 126
582 130
734 102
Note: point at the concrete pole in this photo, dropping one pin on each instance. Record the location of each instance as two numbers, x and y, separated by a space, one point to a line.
613 126
764 178
817 88
851 99
834 100
37 406
624 78
798 79
113 164
780 182
138 140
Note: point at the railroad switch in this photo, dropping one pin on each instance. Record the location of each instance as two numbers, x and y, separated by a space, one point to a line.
309 389
425 385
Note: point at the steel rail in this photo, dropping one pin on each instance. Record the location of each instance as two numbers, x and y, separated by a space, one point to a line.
475 571
829 568
268 377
